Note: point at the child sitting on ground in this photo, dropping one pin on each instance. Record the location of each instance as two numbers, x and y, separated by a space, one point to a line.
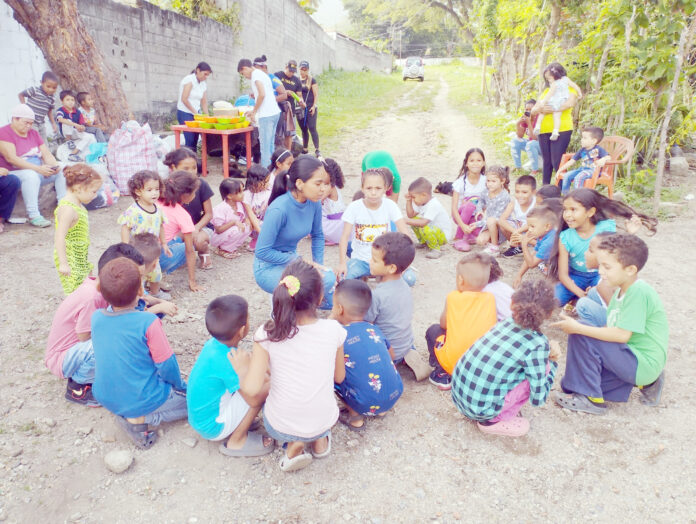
72 226
542 222
466 192
592 308
218 409
427 217
148 245
372 385
500 290
306 356
590 157
145 216
332 206
512 363
89 115
547 191
257 191
41 100
232 219
468 313
558 93
513 221
494 201
392 303
365 220
281 160
606 363
71 125
136 375
69 352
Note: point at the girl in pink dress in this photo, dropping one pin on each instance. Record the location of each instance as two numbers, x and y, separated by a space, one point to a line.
232 219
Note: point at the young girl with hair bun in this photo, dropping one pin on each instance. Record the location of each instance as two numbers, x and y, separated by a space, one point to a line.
512 363
306 355
71 242
332 207
493 202
180 188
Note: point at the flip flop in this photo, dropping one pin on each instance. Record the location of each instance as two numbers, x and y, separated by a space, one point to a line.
227 254
140 434
205 261
325 453
652 394
253 447
577 402
515 427
293 464
346 418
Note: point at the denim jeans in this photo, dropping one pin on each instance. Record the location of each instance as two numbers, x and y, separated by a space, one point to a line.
517 145
190 139
9 187
359 268
98 133
79 362
576 175
31 183
582 279
178 258
267 276
174 408
591 310
267 127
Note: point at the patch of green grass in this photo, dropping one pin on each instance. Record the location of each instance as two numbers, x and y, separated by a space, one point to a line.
350 100
441 146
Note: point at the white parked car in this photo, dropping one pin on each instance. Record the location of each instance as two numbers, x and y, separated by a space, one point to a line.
414 68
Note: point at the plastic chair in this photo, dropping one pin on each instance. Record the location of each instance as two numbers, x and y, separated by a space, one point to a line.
620 150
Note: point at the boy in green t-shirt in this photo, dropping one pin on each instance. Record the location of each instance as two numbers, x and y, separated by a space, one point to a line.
606 363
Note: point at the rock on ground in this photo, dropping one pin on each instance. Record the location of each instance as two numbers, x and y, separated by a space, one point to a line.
118 460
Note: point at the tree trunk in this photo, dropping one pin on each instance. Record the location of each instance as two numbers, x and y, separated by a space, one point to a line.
603 63
626 65
551 33
684 46
72 54
484 82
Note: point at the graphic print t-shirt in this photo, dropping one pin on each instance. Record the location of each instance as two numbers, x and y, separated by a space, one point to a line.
369 224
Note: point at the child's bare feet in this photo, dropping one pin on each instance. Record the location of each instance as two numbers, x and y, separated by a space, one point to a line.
353 420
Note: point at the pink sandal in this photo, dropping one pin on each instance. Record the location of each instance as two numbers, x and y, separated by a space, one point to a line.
515 427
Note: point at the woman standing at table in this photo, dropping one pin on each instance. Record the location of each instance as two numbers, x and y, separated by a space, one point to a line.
294 211
193 98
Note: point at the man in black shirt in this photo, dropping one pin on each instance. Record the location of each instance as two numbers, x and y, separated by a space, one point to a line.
292 84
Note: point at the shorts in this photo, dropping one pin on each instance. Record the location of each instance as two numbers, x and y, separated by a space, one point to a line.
155 275
233 409
284 437
515 223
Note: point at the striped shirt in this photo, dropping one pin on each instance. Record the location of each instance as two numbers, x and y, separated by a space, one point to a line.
497 363
39 101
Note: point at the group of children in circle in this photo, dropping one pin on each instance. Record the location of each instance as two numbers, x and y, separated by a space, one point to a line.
487 347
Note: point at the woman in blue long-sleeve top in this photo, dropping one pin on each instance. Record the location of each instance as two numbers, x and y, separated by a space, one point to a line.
294 211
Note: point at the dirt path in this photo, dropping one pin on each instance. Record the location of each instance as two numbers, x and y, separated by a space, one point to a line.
423 462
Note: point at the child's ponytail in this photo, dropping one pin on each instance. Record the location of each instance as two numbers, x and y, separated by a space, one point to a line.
299 289
533 303
303 168
80 175
503 173
177 185
606 208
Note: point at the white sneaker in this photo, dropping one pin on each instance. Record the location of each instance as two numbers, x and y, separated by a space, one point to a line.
490 249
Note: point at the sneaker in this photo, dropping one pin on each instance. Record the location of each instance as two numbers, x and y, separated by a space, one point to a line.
433 253
543 268
462 245
512 252
317 154
80 394
421 246
441 379
490 249
577 402
40 221
74 158
162 295
165 286
653 392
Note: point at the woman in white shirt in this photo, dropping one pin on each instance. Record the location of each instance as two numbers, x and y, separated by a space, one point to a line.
192 98
265 111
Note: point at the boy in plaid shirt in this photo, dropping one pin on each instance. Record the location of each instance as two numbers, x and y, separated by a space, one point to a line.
512 363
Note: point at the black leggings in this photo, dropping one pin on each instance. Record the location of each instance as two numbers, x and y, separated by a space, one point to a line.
552 151
308 124
431 335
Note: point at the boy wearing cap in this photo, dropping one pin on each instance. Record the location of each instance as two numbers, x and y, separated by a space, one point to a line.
307 120
292 85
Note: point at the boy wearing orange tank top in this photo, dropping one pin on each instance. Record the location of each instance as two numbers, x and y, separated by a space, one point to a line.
468 314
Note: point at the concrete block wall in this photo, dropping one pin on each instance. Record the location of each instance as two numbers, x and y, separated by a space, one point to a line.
153 49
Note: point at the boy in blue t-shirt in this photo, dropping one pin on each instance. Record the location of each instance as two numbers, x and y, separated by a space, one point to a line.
372 385
218 408
137 376
590 156
542 222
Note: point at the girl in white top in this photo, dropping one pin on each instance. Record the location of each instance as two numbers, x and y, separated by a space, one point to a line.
193 98
332 207
466 191
257 191
304 355
366 219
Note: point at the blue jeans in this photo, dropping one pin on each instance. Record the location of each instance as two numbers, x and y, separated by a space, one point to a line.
517 145
98 133
190 139
174 408
582 280
9 187
79 362
284 437
359 268
267 127
570 176
591 310
178 258
31 183
267 276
